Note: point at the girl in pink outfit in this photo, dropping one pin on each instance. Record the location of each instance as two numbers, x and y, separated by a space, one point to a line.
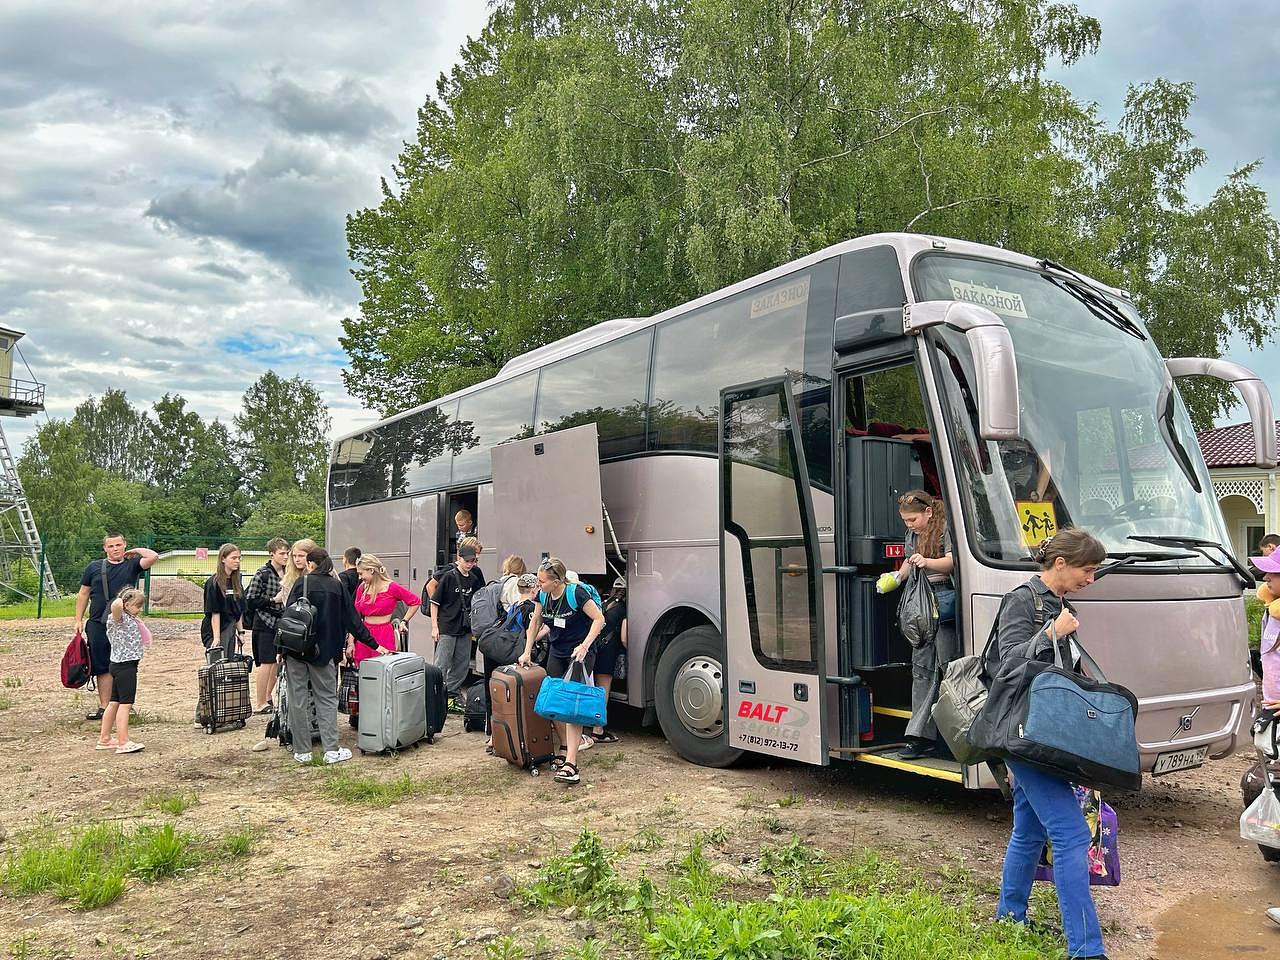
1269 595
376 599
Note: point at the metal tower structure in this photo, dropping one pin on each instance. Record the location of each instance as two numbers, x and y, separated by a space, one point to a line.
19 538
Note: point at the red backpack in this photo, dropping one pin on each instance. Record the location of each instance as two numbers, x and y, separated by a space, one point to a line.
77 669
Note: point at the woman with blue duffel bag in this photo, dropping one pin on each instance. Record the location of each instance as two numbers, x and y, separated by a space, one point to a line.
1035 623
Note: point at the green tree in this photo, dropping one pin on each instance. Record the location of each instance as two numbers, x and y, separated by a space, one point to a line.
587 160
117 435
173 435
214 483
289 513
283 434
121 505
60 482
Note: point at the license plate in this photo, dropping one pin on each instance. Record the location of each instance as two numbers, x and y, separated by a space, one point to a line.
1179 760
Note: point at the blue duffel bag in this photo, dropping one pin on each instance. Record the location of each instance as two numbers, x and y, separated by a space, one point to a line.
1048 716
572 701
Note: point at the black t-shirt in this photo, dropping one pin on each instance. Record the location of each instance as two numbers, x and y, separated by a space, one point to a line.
453 597
350 580
576 622
223 602
615 611
119 575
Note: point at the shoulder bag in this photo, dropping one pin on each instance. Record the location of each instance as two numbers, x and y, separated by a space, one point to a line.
572 701
1047 716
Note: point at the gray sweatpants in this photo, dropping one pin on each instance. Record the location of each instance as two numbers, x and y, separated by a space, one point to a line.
306 680
927 664
453 657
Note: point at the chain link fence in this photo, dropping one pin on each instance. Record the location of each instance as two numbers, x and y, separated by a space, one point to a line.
174 585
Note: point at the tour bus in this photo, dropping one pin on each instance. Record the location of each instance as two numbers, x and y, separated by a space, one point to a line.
739 460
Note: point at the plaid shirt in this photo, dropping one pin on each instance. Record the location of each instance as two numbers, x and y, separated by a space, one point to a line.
264 585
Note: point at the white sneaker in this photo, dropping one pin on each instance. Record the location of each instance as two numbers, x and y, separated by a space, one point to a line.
586 743
302 757
1273 914
337 756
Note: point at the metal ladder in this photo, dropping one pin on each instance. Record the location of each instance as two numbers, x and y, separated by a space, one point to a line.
18 533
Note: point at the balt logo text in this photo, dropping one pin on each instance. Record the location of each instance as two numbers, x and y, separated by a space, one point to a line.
768 712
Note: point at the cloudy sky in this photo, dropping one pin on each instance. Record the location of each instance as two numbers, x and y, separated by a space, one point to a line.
176 176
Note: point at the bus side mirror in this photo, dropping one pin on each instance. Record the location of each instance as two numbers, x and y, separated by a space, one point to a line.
993 359
1254 393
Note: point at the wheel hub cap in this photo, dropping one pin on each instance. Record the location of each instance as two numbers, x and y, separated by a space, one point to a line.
698 697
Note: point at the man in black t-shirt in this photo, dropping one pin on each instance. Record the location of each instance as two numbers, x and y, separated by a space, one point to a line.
451 617
123 569
349 576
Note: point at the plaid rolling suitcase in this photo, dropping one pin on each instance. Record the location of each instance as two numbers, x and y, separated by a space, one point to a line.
223 702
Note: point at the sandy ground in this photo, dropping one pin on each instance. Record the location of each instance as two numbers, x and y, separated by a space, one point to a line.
426 877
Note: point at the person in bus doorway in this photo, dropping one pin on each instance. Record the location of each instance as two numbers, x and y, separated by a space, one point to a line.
1045 806
451 620
316 677
349 576
612 645
929 554
575 623
464 526
223 603
264 585
376 600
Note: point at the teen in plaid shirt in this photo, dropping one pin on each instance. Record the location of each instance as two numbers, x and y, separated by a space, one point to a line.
260 599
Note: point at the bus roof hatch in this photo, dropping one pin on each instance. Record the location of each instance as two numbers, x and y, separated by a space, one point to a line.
546 498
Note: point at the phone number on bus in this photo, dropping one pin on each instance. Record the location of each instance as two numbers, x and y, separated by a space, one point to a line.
768 742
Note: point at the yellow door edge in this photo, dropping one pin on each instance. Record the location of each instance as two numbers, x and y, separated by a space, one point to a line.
955 776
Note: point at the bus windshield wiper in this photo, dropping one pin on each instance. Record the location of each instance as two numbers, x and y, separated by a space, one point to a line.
1203 547
1094 300
1164 424
1127 557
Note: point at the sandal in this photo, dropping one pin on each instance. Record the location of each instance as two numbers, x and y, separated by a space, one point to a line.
567 773
130 747
607 737
110 745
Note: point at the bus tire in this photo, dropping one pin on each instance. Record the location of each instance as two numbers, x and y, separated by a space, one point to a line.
689 694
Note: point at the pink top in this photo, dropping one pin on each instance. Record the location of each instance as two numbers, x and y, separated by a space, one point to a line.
143 631
383 605
1270 658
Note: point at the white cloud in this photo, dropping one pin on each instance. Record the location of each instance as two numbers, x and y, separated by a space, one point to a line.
176 183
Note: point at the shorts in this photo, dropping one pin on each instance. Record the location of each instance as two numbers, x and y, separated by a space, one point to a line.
558 666
95 634
124 682
264 645
606 652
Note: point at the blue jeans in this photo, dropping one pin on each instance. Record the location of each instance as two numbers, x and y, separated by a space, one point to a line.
1044 807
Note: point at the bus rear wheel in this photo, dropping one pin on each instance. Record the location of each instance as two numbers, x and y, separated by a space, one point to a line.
689 694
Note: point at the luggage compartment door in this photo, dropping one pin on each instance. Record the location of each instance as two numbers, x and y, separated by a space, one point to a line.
422 555
546 498
771 578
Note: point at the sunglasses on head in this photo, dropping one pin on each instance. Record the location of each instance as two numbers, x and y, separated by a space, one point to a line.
912 498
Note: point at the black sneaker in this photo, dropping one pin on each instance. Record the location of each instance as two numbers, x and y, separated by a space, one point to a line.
95 715
917 750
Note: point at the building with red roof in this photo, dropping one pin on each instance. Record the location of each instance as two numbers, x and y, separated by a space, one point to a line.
1248 495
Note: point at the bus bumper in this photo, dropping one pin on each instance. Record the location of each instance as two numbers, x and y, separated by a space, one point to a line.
1212 718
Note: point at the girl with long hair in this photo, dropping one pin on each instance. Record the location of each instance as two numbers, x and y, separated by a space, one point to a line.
223 602
376 599
928 554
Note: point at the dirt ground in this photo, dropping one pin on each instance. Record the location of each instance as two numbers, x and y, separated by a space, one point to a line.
425 878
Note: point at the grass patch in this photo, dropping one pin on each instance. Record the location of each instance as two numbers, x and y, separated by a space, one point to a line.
369 791
239 843
609 762
6 699
173 804
91 866
790 800
646 839
773 824
143 718
585 877
26 609
1253 613
11 682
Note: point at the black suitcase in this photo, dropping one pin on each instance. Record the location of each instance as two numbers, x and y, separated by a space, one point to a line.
437 702
223 702
473 713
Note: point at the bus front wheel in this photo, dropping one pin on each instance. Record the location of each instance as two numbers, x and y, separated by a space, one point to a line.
689 691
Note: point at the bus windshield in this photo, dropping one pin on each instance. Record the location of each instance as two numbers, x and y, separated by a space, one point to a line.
1105 444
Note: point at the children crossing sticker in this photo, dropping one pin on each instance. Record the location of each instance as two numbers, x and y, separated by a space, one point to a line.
1037 519
993 298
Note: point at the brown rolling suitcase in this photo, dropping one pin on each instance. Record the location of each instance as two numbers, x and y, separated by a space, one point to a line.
520 736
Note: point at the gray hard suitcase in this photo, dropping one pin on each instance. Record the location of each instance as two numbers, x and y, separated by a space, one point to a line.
393 702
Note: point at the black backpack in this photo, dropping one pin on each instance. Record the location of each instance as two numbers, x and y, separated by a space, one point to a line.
296 627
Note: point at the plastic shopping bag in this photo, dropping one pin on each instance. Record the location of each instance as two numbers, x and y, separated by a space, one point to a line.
1260 823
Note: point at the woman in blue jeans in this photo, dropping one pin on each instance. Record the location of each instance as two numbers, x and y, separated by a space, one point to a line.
1044 806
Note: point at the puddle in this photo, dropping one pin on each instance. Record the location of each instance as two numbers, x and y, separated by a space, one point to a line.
1208 926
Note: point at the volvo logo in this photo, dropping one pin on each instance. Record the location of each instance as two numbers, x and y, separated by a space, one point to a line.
1184 722
1092 714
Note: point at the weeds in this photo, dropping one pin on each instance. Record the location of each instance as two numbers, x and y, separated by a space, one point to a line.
773 824
693 876
11 682
646 839
173 804
6 700
369 791
790 800
718 837
239 843
666 812
504 949
91 868
585 877
609 761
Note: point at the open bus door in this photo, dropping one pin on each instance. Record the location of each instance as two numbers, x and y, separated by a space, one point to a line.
771 578
546 498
